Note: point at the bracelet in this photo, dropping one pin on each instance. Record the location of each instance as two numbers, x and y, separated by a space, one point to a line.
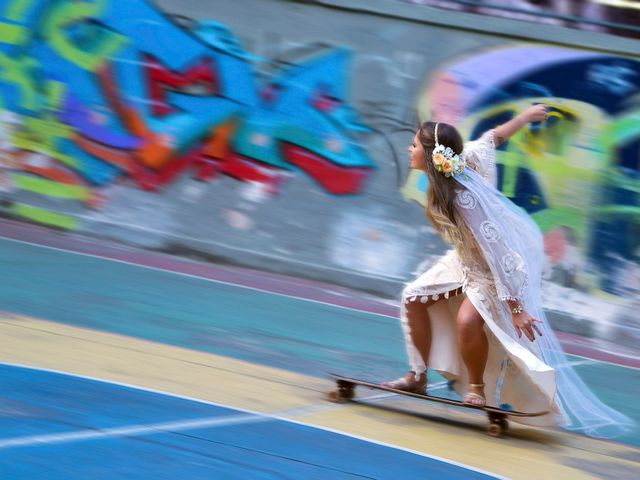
518 309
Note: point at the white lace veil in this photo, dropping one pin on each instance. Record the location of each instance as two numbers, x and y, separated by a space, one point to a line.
512 246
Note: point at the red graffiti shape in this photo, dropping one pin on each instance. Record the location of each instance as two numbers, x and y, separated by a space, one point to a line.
334 178
161 78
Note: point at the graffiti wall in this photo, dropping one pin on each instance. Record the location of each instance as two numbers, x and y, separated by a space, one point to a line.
247 132
162 130
577 174
92 100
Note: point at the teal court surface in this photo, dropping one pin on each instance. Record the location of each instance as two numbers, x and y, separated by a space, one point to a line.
117 363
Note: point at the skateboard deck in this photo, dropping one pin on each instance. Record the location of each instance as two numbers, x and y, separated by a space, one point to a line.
497 416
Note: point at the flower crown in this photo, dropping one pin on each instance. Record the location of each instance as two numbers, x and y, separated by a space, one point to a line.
445 160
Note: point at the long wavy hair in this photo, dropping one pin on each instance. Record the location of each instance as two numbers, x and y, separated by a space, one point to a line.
441 209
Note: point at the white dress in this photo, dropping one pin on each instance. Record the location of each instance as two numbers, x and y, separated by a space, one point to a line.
514 373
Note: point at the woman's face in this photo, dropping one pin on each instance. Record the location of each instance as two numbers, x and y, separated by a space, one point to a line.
416 155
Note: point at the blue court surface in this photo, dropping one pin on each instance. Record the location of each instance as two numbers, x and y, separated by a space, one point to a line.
56 426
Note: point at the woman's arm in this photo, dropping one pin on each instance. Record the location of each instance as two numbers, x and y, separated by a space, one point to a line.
535 113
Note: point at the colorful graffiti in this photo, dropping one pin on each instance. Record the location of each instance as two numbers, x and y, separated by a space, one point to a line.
90 97
578 174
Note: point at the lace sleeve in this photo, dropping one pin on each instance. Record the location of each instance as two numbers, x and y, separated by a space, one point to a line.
481 155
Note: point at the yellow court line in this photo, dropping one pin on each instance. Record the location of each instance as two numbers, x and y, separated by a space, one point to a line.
446 433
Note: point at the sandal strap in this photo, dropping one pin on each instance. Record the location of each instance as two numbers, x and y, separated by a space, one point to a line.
474 396
399 382
403 384
476 385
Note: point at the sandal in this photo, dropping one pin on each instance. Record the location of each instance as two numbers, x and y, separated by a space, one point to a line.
406 384
475 399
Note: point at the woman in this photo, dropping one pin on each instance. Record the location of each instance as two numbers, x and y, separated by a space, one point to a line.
476 315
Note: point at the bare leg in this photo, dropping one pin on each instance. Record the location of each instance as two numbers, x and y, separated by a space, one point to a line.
474 347
419 327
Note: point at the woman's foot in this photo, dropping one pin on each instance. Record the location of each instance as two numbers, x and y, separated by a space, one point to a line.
409 383
475 395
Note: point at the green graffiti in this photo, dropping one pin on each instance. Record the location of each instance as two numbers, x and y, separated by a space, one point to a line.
18 71
511 162
621 130
17 10
622 181
42 134
54 95
93 54
50 188
624 211
551 218
61 157
44 217
12 34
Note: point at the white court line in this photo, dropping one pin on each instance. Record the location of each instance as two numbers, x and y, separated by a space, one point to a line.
189 275
155 428
240 419
584 361
165 427
129 431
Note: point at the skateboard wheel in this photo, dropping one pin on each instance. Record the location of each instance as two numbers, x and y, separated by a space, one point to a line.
340 395
495 430
345 389
346 393
335 397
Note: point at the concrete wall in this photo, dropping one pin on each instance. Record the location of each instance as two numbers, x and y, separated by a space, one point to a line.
272 133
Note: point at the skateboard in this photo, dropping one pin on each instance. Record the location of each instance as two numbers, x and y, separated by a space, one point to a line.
497 416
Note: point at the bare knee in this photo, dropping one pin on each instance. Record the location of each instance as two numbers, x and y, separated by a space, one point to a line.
469 321
416 314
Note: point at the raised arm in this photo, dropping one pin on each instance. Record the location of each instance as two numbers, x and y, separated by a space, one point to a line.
535 113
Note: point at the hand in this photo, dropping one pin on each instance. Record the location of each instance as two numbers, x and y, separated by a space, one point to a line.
525 323
536 113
